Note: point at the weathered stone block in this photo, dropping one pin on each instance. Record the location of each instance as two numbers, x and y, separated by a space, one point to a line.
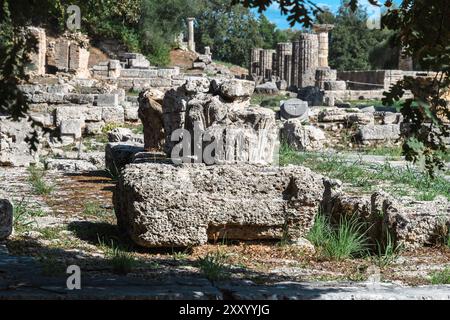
113 115
69 165
109 100
72 128
267 88
161 205
236 89
373 133
303 137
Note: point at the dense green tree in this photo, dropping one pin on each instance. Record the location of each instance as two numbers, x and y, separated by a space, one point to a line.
352 41
160 23
230 31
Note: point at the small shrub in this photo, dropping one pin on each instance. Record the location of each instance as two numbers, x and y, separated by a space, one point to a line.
213 265
111 126
441 277
388 252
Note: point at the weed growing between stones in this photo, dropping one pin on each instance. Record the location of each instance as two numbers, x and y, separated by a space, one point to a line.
121 261
213 266
36 178
441 277
387 253
22 221
346 240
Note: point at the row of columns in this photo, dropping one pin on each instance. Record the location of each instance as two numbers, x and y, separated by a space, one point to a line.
295 62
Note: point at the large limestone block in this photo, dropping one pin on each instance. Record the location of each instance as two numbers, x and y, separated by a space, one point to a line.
14 150
376 133
162 205
411 224
6 219
236 89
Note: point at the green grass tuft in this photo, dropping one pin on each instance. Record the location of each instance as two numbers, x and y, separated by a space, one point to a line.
346 240
441 277
36 178
213 265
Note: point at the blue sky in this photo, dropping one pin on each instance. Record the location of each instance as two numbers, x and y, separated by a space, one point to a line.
274 15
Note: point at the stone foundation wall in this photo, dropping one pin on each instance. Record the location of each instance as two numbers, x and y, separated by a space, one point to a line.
376 79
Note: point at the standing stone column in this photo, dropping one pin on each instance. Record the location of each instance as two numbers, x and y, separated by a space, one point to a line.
283 49
322 31
255 56
266 63
309 59
37 58
191 41
288 69
295 66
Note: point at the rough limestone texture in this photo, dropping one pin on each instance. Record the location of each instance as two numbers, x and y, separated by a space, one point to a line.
303 137
162 205
14 150
205 115
411 224
375 133
6 219
69 165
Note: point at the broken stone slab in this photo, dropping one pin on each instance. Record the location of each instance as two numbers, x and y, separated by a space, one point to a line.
294 108
69 165
14 150
199 65
72 128
376 133
282 85
236 89
107 100
392 118
6 219
131 113
113 114
303 137
344 116
162 205
411 224
267 88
